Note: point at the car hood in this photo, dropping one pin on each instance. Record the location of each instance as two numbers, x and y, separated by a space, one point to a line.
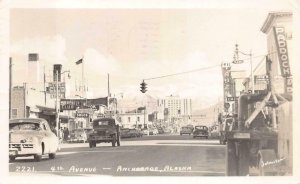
17 136
200 131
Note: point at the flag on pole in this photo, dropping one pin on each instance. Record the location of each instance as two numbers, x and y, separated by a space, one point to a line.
79 61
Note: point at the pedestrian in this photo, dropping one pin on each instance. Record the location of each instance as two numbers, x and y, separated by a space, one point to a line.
66 134
61 135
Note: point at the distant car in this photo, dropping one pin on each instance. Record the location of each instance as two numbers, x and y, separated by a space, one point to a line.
160 131
200 131
186 130
146 132
31 137
191 127
153 131
134 133
124 132
78 135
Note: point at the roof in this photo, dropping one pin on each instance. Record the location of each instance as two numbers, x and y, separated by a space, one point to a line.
271 18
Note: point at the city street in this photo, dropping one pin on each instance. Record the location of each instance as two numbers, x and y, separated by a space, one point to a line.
161 155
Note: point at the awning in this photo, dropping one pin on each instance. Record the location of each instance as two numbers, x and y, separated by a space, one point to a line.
46 110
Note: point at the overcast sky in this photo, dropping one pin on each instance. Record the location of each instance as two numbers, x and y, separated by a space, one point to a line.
134 44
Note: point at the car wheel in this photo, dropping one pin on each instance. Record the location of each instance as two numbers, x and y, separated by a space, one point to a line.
52 155
206 137
12 158
37 157
194 137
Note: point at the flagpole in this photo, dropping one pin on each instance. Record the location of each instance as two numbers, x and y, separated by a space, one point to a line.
82 78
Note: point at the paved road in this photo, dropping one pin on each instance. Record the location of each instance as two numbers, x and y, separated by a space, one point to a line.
171 155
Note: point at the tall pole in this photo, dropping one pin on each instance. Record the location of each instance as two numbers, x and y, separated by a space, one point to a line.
56 100
252 77
45 94
108 90
10 85
145 117
82 78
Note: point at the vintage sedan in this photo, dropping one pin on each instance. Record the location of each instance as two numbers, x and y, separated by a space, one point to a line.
78 135
186 130
31 137
200 131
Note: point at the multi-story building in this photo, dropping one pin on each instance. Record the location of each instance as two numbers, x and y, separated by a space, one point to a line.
176 108
278 29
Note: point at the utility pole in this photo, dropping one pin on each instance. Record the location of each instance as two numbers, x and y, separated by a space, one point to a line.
145 117
10 85
56 104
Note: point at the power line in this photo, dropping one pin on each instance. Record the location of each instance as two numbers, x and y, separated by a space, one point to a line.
204 68
181 73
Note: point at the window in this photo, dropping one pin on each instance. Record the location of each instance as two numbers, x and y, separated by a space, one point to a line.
14 113
44 126
138 119
128 119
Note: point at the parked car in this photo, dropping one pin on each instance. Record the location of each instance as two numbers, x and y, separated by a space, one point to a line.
160 130
78 135
124 133
153 131
145 131
31 137
135 133
200 131
186 130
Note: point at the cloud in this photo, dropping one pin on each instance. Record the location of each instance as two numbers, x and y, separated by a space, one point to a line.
97 62
51 49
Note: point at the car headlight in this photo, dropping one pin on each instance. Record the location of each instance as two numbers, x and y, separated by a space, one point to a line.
28 139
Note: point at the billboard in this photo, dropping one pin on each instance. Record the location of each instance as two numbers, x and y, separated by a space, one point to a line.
73 104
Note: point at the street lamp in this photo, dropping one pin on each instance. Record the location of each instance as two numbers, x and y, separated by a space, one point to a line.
56 99
236 60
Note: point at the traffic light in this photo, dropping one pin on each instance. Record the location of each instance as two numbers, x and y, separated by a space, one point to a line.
143 87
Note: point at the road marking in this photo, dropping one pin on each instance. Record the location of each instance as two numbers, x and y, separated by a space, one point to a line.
96 151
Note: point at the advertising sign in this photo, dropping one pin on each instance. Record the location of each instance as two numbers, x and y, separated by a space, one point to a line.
61 89
82 115
73 104
282 51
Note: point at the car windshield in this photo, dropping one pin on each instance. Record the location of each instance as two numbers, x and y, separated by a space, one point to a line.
103 122
201 127
24 126
185 128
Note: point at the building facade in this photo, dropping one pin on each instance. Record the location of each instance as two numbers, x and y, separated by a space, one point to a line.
133 120
176 108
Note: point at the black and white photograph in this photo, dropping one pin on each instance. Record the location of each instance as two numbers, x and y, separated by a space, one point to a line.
149 89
